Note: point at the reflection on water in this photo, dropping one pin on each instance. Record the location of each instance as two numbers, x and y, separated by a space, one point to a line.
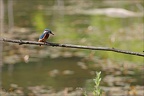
58 73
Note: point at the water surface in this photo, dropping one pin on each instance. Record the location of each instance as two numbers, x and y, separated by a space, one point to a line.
57 73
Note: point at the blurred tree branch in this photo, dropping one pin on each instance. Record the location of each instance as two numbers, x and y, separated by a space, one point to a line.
10 16
1 44
73 46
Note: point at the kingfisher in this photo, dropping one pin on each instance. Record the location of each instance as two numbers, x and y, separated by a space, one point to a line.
45 35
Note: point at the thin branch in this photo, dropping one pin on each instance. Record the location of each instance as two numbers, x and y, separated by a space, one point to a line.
73 46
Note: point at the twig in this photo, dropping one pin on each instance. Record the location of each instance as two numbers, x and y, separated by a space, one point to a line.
73 46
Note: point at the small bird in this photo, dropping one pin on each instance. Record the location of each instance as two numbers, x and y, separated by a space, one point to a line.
45 35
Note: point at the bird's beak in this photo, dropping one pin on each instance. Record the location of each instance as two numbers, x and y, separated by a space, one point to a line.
52 33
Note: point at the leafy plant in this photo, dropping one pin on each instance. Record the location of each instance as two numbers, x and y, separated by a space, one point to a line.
97 90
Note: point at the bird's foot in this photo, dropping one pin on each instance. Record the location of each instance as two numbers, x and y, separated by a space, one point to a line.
46 42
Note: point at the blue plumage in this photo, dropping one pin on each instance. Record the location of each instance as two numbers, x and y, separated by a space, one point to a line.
45 35
42 36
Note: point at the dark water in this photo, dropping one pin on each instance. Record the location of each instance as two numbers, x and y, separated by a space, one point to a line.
47 72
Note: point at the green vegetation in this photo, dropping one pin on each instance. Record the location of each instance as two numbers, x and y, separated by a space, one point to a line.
121 33
38 21
96 89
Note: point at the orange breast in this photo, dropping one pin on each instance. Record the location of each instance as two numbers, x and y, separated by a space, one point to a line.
45 37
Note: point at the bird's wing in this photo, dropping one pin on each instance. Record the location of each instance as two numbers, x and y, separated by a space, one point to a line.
42 36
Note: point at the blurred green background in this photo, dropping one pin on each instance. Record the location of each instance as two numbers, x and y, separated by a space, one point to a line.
105 23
